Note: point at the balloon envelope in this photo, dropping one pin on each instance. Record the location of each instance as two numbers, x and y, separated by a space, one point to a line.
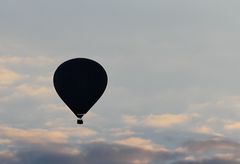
80 83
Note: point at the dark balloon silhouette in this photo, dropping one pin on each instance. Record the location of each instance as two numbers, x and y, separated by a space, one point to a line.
80 83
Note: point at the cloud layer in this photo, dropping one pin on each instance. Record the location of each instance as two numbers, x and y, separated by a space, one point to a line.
38 146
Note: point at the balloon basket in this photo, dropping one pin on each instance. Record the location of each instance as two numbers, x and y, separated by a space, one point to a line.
79 121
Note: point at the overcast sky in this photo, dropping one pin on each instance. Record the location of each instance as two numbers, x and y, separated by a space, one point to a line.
173 95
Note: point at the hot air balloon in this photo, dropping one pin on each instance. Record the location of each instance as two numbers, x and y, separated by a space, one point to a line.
80 82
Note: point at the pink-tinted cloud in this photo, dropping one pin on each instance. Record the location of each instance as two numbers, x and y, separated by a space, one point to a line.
8 77
165 120
26 60
43 136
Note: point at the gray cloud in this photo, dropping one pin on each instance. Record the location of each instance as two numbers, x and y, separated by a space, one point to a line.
213 144
216 150
91 153
103 152
209 161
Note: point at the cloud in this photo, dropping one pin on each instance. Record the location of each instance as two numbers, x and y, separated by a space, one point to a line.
133 150
25 91
137 142
43 136
223 107
54 107
82 132
126 154
33 136
89 153
26 60
43 79
165 120
232 126
212 151
8 77
157 120
206 130
130 120
208 161
5 141
213 144
142 143
122 132
6 155
29 90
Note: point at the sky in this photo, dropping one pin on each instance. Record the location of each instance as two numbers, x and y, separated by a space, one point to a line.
173 94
